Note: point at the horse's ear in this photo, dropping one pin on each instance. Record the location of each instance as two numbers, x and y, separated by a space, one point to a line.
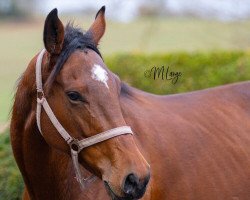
97 29
53 33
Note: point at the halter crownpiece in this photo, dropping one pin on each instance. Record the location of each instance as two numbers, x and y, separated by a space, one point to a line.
75 145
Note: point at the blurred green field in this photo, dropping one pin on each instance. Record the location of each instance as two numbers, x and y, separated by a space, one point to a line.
20 41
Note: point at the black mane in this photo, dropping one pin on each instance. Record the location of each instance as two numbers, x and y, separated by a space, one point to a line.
74 38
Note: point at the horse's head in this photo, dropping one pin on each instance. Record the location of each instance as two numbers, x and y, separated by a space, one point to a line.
85 97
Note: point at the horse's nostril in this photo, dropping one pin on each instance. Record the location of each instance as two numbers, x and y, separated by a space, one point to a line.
131 184
135 188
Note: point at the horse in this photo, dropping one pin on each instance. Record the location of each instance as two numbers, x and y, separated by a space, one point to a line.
190 146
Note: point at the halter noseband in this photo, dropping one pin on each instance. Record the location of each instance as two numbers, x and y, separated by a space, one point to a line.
75 145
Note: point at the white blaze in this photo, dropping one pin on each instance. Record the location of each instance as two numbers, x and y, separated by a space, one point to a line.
100 74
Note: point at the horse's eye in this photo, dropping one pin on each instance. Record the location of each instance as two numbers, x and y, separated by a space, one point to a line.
74 96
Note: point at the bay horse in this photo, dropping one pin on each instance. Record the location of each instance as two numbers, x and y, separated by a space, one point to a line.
191 146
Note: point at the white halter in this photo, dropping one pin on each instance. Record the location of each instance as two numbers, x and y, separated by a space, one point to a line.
75 145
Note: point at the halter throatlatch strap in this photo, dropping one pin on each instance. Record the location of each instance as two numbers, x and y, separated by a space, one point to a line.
75 145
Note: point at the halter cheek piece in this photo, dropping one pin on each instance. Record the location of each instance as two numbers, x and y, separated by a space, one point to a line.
75 145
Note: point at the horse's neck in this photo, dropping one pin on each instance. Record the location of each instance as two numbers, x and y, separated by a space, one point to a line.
138 109
46 171
137 106
47 167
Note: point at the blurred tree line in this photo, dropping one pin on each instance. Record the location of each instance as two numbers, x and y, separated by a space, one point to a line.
16 8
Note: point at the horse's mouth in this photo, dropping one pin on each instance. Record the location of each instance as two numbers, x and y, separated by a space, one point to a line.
113 195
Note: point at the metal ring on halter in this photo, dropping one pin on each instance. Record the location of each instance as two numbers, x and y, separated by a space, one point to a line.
74 145
40 94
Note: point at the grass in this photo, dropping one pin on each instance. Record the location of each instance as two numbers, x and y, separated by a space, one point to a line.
21 41
11 183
